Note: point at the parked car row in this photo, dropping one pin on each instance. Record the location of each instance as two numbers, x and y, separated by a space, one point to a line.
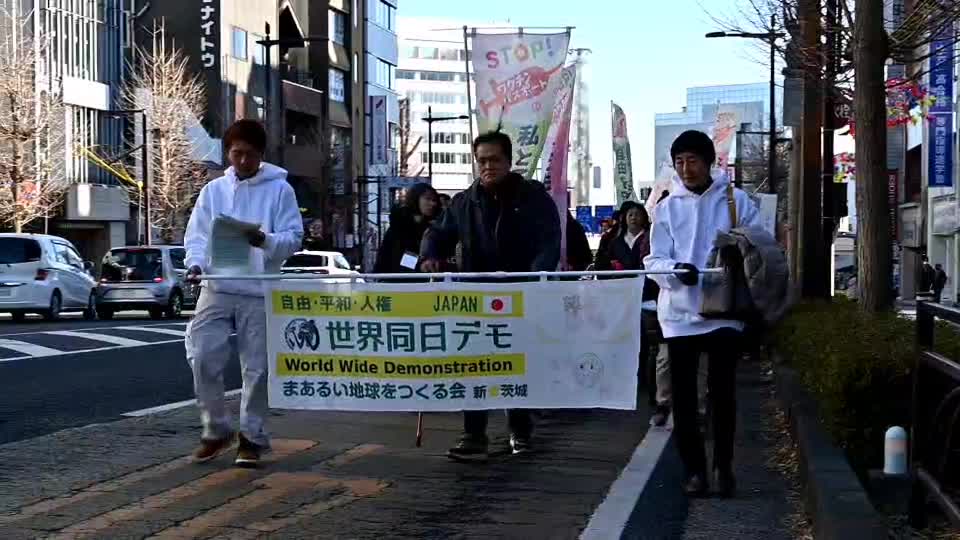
45 275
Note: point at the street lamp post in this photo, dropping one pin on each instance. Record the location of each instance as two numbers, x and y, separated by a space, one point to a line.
771 38
430 119
144 174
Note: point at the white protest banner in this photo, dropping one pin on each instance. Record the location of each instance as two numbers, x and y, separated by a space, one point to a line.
453 346
516 88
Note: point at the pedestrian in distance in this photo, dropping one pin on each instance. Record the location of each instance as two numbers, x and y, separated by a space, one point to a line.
400 250
939 282
253 191
926 278
685 226
579 254
502 222
444 201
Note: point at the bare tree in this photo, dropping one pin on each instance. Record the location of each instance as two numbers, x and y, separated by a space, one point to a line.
173 99
32 132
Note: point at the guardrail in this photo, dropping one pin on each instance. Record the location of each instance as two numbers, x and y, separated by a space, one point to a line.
936 409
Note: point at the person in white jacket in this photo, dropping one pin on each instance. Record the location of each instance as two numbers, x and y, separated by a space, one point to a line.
255 192
685 225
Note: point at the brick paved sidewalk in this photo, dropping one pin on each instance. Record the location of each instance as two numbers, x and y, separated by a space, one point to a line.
358 475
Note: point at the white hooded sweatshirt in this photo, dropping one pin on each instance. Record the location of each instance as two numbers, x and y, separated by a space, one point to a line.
684 228
265 198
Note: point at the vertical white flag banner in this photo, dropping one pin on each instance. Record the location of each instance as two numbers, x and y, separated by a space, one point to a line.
517 82
557 149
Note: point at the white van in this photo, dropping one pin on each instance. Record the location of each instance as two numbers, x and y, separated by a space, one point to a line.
44 274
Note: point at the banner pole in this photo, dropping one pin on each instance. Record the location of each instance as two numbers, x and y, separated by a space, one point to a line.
467 55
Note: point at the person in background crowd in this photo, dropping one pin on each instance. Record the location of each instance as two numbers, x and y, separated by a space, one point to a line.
503 223
927 276
400 250
939 282
684 228
444 201
608 231
255 192
626 251
579 254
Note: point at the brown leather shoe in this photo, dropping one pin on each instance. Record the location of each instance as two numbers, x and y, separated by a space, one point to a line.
211 448
248 454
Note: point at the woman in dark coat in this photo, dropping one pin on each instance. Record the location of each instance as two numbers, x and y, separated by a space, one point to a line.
399 251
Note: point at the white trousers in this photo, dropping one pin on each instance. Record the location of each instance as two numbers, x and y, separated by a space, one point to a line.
208 351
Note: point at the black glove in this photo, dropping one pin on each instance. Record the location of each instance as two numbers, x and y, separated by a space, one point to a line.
690 278
193 274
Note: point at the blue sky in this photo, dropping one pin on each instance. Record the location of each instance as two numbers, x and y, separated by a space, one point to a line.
645 54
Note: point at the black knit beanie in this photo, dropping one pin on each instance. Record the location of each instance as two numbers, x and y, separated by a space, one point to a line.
695 142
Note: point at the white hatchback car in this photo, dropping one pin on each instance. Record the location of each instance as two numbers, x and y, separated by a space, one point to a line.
330 263
44 274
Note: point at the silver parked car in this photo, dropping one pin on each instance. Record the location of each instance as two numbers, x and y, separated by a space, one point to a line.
150 278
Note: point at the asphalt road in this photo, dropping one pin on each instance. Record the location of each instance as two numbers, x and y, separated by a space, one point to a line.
51 384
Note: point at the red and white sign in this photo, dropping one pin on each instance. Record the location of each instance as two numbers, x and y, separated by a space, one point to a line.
497 305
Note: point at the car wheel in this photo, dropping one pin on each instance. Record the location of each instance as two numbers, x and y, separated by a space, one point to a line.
156 313
18 316
104 314
53 312
90 313
175 306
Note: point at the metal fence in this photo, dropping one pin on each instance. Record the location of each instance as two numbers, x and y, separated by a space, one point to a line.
454 276
934 449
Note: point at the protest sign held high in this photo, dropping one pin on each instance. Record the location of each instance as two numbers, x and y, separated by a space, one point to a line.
453 346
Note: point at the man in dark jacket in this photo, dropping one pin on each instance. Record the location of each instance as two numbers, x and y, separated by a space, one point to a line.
579 254
503 223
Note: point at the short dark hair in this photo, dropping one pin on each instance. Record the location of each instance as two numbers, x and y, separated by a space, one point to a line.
444 197
251 132
498 138
695 142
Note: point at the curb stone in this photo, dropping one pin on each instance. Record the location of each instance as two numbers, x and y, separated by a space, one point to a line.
833 496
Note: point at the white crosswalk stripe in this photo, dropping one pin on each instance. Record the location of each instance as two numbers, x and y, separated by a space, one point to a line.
157 330
29 349
116 340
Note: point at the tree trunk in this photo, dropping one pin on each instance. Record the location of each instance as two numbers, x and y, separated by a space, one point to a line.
874 272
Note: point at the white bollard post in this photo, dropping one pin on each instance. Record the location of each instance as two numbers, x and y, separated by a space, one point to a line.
895 451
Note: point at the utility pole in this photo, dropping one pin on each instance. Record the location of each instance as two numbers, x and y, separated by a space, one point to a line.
814 280
831 58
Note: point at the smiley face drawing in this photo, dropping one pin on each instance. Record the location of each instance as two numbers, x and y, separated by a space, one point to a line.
588 370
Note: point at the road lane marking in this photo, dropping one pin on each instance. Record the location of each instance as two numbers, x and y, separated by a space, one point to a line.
96 525
116 340
165 331
173 406
97 328
97 349
611 517
29 349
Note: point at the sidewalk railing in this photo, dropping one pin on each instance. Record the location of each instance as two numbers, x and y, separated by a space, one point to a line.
934 452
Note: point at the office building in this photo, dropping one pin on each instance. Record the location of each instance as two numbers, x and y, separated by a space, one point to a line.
432 77
80 44
750 104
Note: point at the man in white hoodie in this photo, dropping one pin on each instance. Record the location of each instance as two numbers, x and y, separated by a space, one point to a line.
685 225
255 192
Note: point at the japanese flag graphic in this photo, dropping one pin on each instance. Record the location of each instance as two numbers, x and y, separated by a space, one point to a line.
498 305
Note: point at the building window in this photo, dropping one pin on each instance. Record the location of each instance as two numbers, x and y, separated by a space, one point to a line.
449 54
239 49
338 26
429 53
356 68
383 73
406 74
259 54
338 85
385 15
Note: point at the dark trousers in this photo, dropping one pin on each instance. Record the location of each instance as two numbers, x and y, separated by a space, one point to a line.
723 348
475 423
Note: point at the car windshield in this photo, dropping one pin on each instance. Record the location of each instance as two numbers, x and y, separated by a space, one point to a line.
306 261
19 250
132 265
